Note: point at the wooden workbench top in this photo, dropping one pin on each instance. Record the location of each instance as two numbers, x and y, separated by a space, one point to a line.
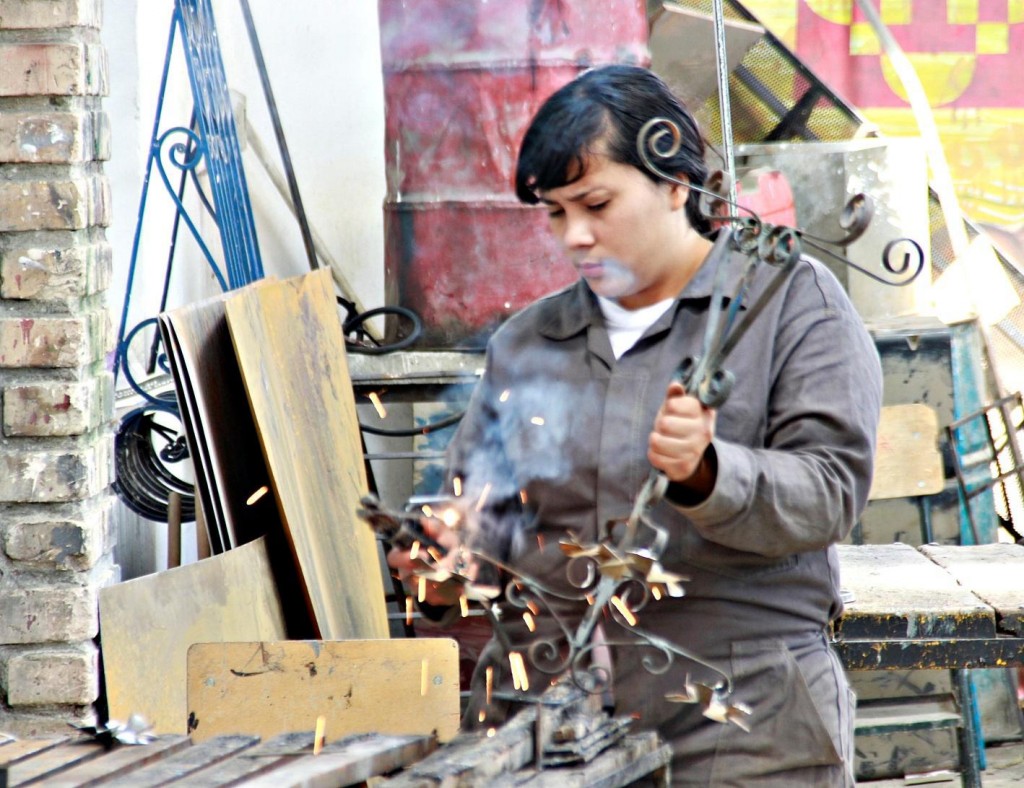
993 572
898 592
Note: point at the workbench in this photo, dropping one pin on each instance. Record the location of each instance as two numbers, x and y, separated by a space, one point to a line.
938 607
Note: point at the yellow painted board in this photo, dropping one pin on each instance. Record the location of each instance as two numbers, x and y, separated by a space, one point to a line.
291 351
398 687
147 625
908 461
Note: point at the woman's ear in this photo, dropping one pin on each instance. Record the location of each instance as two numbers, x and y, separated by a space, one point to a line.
679 193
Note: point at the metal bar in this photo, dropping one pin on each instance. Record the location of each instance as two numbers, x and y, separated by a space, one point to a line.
724 101
968 737
175 227
175 20
286 159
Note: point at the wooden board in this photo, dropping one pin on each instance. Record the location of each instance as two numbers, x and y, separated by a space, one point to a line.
993 572
899 593
147 625
291 350
908 461
286 761
220 431
359 686
117 762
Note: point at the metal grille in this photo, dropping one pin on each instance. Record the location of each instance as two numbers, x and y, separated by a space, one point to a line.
217 130
774 97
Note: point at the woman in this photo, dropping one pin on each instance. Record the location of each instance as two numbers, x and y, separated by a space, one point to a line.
577 404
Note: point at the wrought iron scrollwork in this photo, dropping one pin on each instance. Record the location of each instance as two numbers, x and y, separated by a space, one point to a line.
660 138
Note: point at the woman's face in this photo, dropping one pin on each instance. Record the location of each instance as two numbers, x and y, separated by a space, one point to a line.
626 235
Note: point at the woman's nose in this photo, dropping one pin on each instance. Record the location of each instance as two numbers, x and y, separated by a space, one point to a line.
577 233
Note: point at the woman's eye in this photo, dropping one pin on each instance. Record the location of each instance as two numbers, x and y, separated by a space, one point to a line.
555 213
598 206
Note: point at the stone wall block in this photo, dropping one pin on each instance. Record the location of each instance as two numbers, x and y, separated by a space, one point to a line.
55 408
53 676
54 137
72 204
48 614
54 68
63 538
57 275
49 14
55 475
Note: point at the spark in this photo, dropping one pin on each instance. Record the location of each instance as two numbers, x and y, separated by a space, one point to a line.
378 405
530 623
422 591
483 497
257 495
520 680
491 732
432 552
318 736
482 715
450 517
533 607
504 396
427 510
626 612
463 605
414 550
408 611
538 420
424 670
522 496
490 688
656 592
457 486
541 544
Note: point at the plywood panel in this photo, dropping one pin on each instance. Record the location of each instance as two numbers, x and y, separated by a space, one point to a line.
908 461
359 686
291 350
147 625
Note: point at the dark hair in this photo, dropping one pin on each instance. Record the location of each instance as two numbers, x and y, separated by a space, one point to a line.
608 104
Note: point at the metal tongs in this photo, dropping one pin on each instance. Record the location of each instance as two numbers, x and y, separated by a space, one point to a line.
704 376
399 528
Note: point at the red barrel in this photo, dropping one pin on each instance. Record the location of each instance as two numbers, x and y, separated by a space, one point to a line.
462 78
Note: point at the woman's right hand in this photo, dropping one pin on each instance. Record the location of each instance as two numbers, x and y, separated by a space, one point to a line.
414 564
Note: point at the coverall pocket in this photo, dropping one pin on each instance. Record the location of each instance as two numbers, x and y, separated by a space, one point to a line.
787 729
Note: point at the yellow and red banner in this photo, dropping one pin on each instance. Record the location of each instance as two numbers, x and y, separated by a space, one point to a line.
969 55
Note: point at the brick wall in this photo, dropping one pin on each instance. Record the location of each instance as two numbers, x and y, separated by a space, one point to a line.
56 392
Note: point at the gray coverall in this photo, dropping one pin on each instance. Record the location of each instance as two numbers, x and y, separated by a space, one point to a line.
558 423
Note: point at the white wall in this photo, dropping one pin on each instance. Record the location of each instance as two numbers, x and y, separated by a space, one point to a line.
323 59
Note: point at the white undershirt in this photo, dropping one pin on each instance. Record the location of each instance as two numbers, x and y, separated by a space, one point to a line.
626 326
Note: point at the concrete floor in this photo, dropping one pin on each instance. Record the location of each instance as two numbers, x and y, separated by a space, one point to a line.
1005 767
